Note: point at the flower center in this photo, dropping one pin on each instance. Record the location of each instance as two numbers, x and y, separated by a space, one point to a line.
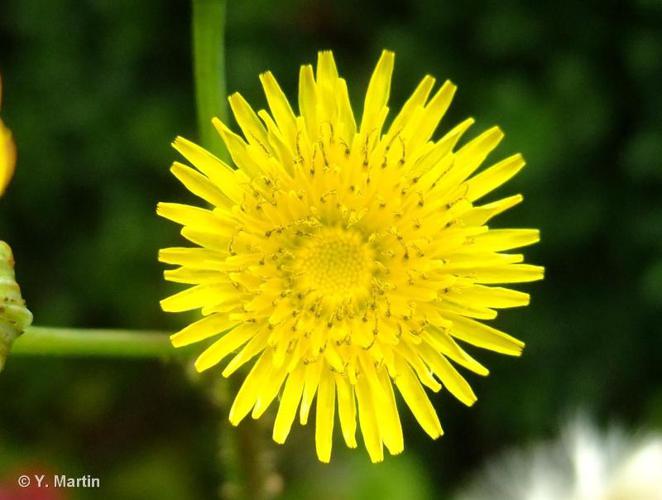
335 264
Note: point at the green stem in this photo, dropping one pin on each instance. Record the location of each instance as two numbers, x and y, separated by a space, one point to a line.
248 439
244 466
75 342
209 70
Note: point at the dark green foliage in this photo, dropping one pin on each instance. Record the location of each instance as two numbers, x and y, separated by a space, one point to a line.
96 90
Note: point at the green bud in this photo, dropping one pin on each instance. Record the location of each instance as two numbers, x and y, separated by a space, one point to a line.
14 316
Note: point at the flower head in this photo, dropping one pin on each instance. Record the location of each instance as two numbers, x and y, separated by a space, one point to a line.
346 258
7 153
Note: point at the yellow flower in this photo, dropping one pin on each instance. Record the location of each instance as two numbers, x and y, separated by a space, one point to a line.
346 258
7 153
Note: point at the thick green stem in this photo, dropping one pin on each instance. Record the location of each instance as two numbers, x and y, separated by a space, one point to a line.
249 440
75 342
247 466
242 458
209 70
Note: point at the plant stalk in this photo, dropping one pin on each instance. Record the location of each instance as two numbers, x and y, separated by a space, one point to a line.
77 342
242 457
209 71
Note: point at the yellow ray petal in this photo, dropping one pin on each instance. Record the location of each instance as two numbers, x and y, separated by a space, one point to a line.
249 390
485 336
256 345
378 93
368 421
434 112
268 391
327 73
422 371
324 416
416 399
480 215
346 410
489 296
465 308
248 120
494 176
451 138
198 184
200 258
308 99
217 171
188 215
469 261
471 155
288 404
207 239
198 296
514 273
345 114
239 150
192 276
280 107
232 340
389 423
202 329
313 374
449 376
415 101
497 240
282 151
327 80
440 341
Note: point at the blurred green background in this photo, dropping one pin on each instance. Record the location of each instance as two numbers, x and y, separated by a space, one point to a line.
94 92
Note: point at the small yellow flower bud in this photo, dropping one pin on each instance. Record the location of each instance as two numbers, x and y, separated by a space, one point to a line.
7 153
